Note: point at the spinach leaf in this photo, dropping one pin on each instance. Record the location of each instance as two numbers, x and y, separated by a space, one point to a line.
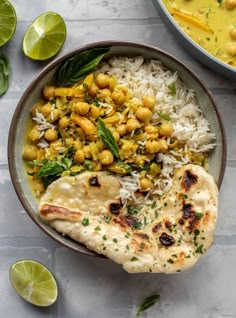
4 74
49 169
147 303
107 138
79 65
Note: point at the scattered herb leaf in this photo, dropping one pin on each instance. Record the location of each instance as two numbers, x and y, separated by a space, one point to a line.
172 89
164 116
147 303
198 215
85 221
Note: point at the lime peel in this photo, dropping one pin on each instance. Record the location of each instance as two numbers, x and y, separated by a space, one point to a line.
8 21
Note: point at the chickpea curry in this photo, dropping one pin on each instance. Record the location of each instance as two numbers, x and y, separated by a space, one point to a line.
210 23
97 124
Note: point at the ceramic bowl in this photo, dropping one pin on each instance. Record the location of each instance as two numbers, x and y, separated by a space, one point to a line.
33 92
196 50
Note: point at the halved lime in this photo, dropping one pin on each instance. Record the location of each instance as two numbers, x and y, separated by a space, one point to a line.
8 21
34 282
45 36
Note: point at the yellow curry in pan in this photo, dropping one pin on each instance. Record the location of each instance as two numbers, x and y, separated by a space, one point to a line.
210 23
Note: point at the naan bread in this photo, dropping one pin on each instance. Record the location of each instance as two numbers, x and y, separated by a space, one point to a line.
167 236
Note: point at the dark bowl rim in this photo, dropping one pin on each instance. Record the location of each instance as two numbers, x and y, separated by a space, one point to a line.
50 66
231 71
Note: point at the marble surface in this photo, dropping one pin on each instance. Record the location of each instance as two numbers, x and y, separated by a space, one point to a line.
91 287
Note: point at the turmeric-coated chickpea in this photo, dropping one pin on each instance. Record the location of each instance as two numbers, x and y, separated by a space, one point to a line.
69 142
102 80
46 109
118 97
230 4
152 146
64 122
103 94
50 135
106 157
116 135
149 101
79 156
56 144
166 129
87 152
49 92
54 115
81 108
121 129
34 134
30 153
232 32
144 114
145 184
163 145
93 90
231 49
150 129
94 112
132 124
77 144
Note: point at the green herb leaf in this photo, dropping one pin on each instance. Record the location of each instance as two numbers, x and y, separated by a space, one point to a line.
172 89
199 249
107 138
198 215
49 169
85 221
133 259
164 116
79 65
220 2
4 74
147 303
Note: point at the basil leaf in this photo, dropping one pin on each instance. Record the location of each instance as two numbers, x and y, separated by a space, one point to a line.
107 138
164 116
79 65
49 169
4 74
147 303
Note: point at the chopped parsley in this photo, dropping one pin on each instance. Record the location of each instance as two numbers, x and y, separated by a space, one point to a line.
97 228
170 261
198 215
85 221
134 259
104 237
115 240
199 249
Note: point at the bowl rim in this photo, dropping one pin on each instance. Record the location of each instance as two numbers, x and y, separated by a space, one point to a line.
49 67
231 71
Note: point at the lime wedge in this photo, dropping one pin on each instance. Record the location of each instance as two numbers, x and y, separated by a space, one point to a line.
45 36
8 21
33 282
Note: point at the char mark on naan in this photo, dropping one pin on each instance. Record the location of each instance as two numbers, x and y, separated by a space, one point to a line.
167 236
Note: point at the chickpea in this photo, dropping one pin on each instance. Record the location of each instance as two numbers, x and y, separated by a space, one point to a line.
149 101
121 130
116 135
150 129
56 144
118 97
69 142
152 146
34 134
79 156
230 4
38 188
132 124
46 109
81 108
64 122
232 32
231 49
54 115
166 129
106 157
87 152
163 145
94 112
77 144
145 184
49 92
30 153
50 135
102 80
144 114
93 90
103 94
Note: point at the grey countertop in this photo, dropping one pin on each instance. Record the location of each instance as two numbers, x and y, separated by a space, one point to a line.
90 287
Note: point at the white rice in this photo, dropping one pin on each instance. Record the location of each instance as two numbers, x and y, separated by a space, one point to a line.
190 125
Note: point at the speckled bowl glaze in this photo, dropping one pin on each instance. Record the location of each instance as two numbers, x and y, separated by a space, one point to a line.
33 92
196 50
